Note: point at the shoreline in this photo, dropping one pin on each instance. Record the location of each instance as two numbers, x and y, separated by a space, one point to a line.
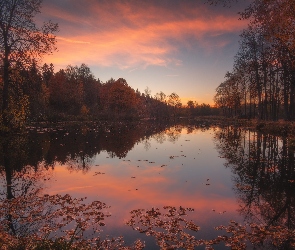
280 127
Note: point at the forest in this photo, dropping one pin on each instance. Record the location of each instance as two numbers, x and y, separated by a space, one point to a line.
262 82
41 94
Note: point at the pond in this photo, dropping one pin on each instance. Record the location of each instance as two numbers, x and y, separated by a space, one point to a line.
223 173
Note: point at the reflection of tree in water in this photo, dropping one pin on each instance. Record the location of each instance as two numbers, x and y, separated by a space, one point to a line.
21 176
160 137
81 162
121 139
31 220
20 166
26 161
116 139
264 181
23 181
264 169
40 149
190 129
174 133
77 145
146 144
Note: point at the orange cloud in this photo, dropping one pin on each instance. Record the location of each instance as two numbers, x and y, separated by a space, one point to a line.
128 35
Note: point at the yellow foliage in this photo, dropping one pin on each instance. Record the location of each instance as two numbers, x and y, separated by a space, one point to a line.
18 111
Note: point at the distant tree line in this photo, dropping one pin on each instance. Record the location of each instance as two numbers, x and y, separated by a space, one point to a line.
262 82
41 94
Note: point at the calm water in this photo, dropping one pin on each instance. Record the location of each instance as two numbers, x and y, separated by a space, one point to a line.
223 173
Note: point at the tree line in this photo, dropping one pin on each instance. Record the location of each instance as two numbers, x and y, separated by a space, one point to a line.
262 82
41 94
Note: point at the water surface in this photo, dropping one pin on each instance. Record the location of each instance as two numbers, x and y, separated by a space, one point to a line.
223 173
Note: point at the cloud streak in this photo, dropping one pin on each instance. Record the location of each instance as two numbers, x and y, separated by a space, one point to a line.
130 35
70 40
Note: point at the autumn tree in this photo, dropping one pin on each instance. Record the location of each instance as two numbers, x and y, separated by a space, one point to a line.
276 19
34 88
159 108
21 41
265 62
174 102
47 74
91 87
228 96
190 107
73 91
118 98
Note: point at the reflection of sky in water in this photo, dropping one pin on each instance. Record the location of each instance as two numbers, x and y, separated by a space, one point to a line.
166 172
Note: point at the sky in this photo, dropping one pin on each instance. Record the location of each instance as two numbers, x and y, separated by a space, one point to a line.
181 46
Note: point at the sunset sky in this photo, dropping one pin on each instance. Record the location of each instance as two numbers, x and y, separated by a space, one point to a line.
182 46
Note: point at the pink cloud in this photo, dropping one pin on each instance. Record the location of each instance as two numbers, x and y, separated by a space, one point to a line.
129 35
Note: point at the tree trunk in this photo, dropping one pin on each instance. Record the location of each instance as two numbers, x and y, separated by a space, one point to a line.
286 98
5 94
292 99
